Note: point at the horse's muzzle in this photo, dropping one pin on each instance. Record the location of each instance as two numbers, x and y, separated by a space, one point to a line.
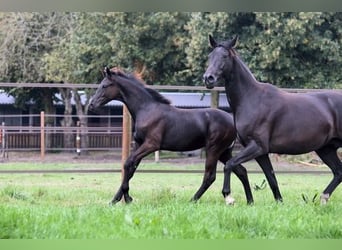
209 81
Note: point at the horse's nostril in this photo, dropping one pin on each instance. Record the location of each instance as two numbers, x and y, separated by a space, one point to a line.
210 79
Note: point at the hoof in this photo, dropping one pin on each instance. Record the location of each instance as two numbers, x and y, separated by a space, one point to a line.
324 199
192 200
229 200
128 199
113 202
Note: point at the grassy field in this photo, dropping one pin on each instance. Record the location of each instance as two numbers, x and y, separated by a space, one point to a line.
75 206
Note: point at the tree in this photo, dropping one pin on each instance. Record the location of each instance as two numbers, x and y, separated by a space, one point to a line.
80 56
286 49
25 38
150 41
298 49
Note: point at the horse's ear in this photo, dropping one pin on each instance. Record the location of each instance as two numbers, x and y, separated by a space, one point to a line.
107 72
233 43
212 42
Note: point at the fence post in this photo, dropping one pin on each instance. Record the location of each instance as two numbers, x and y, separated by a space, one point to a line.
42 135
126 136
214 99
156 156
78 139
2 139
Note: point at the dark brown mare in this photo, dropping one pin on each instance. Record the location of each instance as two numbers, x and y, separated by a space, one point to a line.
161 126
269 120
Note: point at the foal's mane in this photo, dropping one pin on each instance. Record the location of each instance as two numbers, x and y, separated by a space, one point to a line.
136 79
157 96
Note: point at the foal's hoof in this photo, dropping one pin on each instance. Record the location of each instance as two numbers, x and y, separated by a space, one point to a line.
229 200
250 203
128 199
324 199
113 202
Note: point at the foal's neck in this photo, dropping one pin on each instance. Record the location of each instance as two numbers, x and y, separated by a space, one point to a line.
134 97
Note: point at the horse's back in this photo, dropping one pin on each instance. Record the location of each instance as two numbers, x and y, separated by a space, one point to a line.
314 117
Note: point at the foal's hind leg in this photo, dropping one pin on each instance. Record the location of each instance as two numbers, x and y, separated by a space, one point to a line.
328 154
209 175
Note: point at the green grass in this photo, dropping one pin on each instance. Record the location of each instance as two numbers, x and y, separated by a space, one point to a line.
75 206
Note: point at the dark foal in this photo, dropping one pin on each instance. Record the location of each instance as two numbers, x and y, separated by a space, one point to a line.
161 126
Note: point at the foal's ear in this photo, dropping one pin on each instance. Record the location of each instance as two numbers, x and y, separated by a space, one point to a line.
212 42
233 42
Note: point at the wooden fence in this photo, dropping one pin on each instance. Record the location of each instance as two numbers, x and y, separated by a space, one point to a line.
33 138
52 139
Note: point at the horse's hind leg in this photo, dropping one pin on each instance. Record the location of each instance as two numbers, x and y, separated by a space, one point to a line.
328 154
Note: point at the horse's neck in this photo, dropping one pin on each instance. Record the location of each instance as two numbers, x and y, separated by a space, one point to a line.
239 83
134 97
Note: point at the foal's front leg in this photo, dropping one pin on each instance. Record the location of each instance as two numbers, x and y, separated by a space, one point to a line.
130 166
129 169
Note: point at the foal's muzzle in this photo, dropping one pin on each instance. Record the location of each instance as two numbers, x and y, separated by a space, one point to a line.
93 107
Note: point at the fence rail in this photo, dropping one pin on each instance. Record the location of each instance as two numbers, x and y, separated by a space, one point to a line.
30 139
55 138
159 87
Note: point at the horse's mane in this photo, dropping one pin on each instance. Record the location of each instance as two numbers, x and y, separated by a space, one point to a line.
137 78
231 51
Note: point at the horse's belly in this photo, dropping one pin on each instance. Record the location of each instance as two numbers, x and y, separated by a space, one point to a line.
289 145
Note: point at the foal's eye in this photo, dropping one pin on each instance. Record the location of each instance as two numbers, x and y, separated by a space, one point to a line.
105 85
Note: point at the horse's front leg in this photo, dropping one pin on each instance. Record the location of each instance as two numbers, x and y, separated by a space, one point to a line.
226 185
241 172
130 166
251 151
